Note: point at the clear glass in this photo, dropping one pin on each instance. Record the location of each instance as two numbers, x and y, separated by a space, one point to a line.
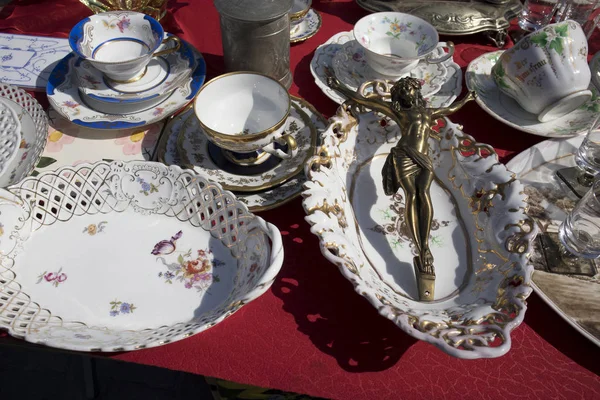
576 10
588 154
580 232
537 13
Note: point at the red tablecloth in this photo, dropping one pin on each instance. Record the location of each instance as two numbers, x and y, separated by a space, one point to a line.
311 333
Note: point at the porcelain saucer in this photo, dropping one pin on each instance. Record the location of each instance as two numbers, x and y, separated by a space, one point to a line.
507 110
163 75
306 27
64 96
168 153
351 68
321 66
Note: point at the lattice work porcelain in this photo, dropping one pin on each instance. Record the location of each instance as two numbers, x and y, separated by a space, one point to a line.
480 240
10 137
148 254
34 130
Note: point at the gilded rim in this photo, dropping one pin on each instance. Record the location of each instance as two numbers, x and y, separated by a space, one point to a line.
313 33
300 14
161 151
185 161
241 138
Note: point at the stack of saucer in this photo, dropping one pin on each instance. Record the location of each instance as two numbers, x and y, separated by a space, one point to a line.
100 85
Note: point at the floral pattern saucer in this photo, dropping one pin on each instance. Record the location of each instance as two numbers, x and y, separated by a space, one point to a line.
574 292
306 27
321 66
64 96
507 110
187 255
351 68
168 153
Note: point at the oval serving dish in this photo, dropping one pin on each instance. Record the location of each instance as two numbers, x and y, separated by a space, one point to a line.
480 240
147 254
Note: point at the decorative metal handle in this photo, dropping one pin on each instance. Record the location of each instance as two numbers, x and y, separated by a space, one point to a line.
169 50
446 56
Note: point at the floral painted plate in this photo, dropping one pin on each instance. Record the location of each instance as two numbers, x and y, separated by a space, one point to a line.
64 96
351 68
575 292
321 66
149 254
262 200
507 110
306 27
480 239
163 75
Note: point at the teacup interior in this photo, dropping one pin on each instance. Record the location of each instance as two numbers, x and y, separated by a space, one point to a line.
120 50
241 104
396 34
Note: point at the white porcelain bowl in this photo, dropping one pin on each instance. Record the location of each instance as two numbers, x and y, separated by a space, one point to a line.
244 112
10 138
119 43
395 42
547 72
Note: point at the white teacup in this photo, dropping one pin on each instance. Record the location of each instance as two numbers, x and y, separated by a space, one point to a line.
395 42
245 112
547 71
120 43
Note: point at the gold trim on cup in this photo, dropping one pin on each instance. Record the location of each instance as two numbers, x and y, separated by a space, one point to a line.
134 79
251 137
300 14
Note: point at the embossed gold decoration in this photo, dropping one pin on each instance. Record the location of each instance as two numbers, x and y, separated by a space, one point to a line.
154 8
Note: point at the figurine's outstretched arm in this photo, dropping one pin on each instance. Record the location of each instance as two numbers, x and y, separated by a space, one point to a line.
374 104
442 112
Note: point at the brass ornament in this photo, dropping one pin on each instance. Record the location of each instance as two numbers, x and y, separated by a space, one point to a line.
409 165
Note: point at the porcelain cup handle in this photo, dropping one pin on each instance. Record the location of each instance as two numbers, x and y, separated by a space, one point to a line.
292 147
449 45
171 49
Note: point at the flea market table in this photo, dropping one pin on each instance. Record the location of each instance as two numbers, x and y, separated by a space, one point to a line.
311 333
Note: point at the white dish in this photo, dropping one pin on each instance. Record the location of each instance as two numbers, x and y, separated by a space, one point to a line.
306 27
321 67
150 255
481 237
64 96
574 296
505 109
34 130
10 138
351 68
163 75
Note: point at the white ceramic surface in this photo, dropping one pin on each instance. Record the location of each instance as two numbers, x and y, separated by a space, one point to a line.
244 112
352 69
118 43
64 97
321 66
395 42
168 153
547 71
506 109
28 60
480 236
574 296
151 255
305 27
299 9
34 130
164 74
10 138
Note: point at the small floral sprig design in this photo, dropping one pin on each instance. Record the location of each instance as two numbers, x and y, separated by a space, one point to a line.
147 188
1 229
396 28
73 106
119 307
93 229
194 271
7 57
55 278
122 24
91 80
553 38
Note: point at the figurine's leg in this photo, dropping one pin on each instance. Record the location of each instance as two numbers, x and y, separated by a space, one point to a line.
411 212
423 184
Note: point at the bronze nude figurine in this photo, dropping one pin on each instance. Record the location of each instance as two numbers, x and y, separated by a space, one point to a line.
409 166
